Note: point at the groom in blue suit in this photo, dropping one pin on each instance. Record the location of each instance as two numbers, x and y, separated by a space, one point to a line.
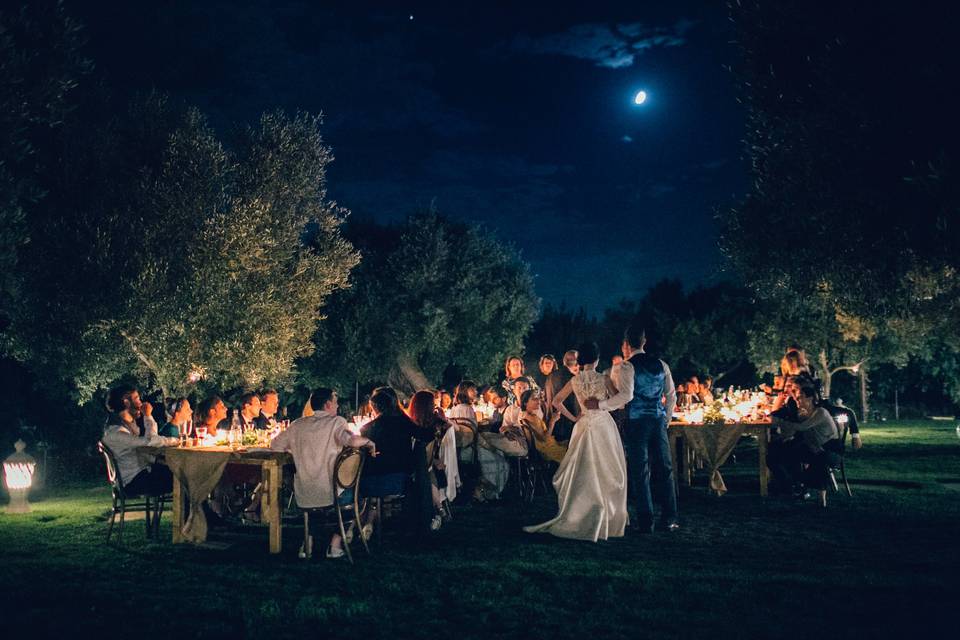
645 389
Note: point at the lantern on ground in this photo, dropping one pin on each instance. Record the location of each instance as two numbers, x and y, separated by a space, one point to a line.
18 471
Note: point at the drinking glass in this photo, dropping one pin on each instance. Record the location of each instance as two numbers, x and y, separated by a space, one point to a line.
184 433
201 433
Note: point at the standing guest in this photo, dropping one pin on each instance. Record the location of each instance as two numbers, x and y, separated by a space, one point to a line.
269 404
180 413
513 368
646 390
122 437
394 434
213 414
249 411
551 387
547 365
532 420
562 425
315 441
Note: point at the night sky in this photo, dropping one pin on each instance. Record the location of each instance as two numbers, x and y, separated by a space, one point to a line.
515 116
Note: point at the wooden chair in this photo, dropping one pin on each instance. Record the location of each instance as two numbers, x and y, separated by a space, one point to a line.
346 477
152 506
470 471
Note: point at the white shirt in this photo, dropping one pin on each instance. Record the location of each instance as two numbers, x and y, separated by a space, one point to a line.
624 384
511 416
462 411
123 443
314 442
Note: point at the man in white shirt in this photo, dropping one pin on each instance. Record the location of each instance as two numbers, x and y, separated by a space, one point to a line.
315 441
645 389
122 437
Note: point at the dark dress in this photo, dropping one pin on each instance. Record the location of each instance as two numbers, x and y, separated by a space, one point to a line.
387 473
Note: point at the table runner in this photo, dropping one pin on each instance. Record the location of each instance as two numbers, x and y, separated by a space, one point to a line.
714 443
198 472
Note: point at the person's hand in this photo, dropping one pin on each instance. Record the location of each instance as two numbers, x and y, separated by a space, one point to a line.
591 404
554 418
372 448
146 409
857 443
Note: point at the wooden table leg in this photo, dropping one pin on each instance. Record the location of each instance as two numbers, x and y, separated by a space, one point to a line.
270 503
178 510
762 459
673 437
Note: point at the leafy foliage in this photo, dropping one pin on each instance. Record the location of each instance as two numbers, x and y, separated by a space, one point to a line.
848 236
429 293
40 67
175 255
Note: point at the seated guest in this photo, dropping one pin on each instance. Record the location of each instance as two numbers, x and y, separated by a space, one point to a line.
682 399
706 390
443 470
817 438
532 420
446 400
513 369
462 414
180 413
394 434
249 411
496 397
844 414
269 403
511 416
212 413
122 437
315 441
692 390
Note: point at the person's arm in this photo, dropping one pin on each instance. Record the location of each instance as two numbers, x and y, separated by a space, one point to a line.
345 438
282 441
625 390
150 429
560 397
669 391
854 429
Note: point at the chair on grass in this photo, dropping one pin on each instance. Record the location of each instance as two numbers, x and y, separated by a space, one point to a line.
151 505
843 423
346 478
468 439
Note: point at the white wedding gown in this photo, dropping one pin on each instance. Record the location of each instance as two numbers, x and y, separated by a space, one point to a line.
591 482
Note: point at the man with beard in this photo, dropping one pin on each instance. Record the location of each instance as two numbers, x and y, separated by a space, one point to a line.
122 437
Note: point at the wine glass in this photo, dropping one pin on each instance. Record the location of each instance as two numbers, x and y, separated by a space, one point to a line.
184 432
201 433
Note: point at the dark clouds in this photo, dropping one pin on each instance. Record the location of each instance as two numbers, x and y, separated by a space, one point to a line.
607 45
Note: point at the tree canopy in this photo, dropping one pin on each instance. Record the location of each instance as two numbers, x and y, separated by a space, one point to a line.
429 293
161 252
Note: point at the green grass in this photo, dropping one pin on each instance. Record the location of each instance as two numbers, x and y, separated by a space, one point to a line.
883 563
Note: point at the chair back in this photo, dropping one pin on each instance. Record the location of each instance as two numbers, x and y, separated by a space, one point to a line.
347 468
113 469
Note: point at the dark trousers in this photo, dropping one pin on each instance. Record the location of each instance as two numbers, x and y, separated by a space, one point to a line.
645 442
793 462
153 481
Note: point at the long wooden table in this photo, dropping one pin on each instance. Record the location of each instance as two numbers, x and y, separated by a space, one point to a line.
677 432
271 465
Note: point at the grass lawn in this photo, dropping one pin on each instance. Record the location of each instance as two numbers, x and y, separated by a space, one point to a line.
883 563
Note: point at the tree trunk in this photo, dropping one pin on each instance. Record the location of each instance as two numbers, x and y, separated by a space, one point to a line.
825 375
411 372
864 405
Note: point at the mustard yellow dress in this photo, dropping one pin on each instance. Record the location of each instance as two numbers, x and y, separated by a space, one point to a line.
545 443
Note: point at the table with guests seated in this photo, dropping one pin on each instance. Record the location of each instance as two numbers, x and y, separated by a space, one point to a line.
217 467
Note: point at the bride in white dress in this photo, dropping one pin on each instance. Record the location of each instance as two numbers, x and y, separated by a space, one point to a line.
591 482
